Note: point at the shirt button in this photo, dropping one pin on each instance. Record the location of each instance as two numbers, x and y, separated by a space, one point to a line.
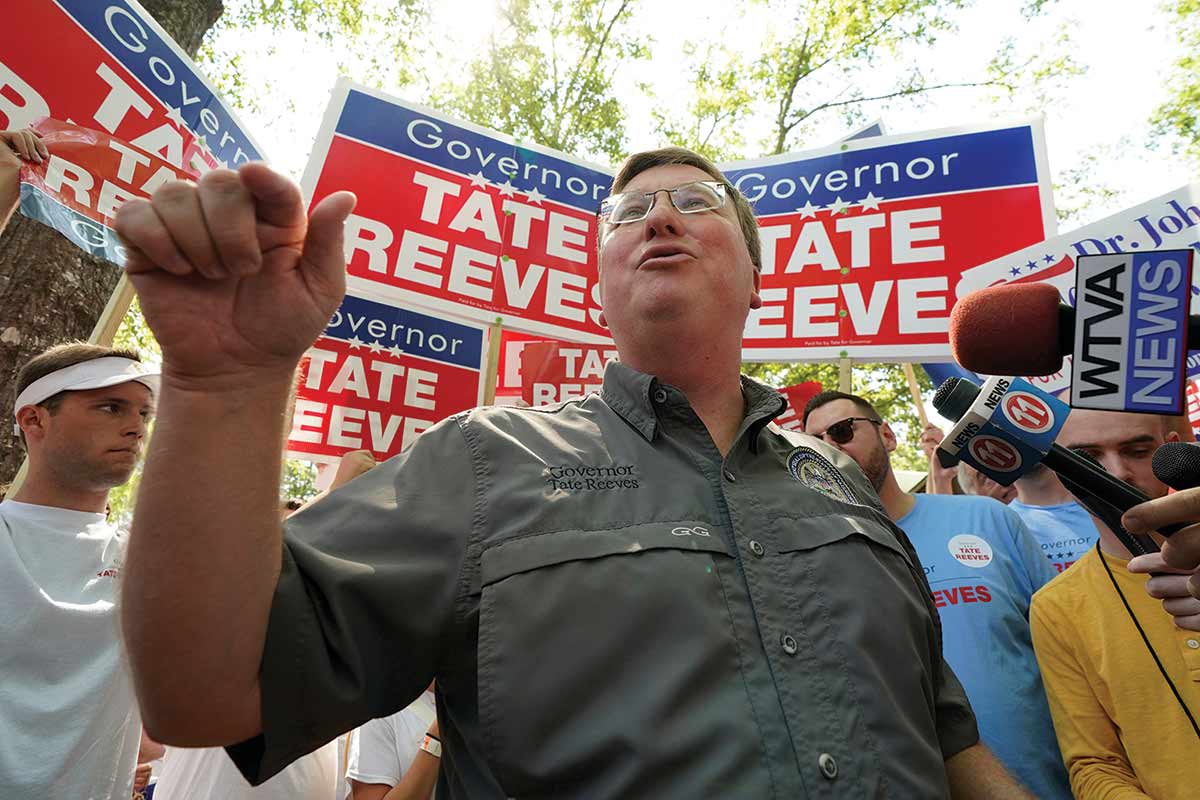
1194 644
757 549
729 477
660 395
828 765
789 644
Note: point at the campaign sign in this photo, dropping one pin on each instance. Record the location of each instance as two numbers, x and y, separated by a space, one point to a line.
863 242
379 376
458 219
88 175
1131 324
798 395
108 66
1008 429
556 371
1193 405
509 385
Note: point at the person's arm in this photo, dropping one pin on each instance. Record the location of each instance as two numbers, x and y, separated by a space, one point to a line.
1037 569
376 757
15 146
1089 741
976 774
941 479
234 308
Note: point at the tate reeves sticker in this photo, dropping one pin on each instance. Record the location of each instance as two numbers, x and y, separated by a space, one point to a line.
817 473
970 550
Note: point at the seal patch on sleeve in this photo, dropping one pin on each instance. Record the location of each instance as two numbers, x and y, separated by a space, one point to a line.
817 473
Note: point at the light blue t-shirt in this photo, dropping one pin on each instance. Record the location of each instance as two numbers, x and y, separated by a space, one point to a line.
983 566
1065 531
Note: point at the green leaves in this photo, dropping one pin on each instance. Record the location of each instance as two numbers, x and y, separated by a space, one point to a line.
547 75
1177 120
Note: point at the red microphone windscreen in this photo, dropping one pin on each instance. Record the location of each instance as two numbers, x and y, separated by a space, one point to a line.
1007 330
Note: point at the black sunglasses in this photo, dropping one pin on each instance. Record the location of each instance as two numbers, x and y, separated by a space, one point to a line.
842 431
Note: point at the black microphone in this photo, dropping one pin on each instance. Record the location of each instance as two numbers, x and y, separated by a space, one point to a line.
1177 464
1101 493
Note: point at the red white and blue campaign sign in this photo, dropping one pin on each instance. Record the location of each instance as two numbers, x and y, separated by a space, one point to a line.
461 220
552 372
379 376
1131 331
88 175
1171 221
1008 429
106 66
865 241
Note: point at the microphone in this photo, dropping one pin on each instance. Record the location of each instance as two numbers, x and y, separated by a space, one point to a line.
1036 328
1177 464
1101 493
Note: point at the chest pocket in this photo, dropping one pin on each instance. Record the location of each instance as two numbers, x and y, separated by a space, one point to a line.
592 641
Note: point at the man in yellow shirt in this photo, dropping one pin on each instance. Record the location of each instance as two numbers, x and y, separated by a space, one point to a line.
1122 680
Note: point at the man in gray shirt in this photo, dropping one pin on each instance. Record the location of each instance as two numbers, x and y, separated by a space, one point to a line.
648 592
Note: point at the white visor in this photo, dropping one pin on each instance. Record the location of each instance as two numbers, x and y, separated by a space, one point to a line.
94 374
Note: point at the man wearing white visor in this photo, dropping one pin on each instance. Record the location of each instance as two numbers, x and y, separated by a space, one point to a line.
69 722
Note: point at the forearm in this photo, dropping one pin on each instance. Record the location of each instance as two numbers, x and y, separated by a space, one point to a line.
976 774
418 781
204 559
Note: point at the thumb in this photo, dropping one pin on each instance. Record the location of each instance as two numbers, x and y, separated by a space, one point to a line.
324 258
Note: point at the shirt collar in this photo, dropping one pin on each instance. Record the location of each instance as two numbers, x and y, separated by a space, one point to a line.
631 394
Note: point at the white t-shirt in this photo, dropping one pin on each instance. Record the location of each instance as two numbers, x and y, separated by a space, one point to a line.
69 722
207 773
383 749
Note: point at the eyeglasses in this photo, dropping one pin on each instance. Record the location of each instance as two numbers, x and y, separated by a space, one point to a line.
689 198
842 431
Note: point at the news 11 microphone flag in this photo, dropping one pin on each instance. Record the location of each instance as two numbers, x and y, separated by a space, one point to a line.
105 74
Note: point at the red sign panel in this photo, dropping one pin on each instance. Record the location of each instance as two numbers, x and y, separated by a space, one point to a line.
556 371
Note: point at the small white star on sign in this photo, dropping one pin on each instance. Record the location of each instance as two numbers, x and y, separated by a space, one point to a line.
477 179
808 210
355 343
838 206
176 116
871 202
375 346
396 351
535 196
507 188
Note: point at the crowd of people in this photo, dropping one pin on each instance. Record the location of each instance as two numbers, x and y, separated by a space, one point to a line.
755 613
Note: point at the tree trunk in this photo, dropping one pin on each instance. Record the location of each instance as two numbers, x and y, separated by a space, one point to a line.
50 291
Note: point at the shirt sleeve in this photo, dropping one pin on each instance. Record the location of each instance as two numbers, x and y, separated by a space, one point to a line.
1089 741
1036 569
373 754
367 598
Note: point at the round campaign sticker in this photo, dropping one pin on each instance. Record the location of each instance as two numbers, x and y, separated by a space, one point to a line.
970 550
1028 412
817 473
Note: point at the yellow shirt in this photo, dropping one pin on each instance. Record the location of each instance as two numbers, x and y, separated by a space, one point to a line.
1120 728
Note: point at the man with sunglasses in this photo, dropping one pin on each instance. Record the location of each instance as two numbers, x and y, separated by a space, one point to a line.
643 593
983 566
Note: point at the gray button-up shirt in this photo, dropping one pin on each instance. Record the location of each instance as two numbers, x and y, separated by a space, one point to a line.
612 609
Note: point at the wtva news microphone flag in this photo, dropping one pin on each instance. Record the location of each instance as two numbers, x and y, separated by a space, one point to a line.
1005 445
